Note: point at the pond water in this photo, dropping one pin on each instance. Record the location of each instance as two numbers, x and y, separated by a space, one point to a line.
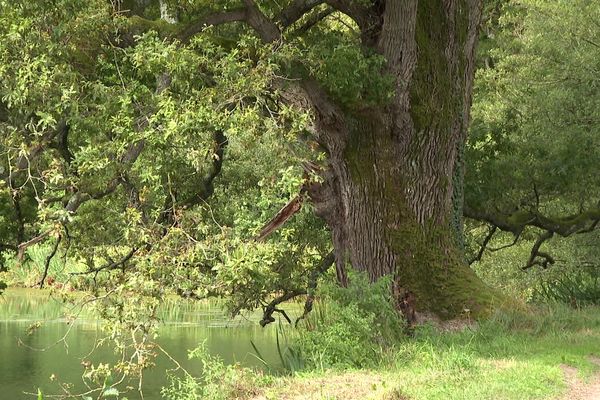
27 360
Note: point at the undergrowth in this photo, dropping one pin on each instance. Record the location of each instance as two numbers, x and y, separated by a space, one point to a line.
512 356
353 347
218 380
351 327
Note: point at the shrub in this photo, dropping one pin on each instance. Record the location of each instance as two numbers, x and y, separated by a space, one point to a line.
352 327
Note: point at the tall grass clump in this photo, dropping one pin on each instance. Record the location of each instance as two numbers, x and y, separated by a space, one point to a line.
218 380
29 271
351 327
577 288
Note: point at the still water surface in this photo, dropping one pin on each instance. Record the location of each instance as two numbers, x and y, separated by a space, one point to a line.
24 369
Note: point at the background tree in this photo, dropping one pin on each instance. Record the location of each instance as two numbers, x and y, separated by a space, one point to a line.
534 139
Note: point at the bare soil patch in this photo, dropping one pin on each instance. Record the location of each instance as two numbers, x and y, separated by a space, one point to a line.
580 389
348 386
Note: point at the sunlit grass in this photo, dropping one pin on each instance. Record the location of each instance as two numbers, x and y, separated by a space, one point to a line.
510 356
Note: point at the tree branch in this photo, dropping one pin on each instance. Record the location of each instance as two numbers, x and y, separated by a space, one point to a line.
313 20
134 196
236 15
23 246
296 10
127 160
266 29
583 222
271 308
19 217
484 244
517 221
280 218
119 264
536 253
24 161
506 246
312 284
62 145
365 17
207 185
48 260
250 14
287 212
591 228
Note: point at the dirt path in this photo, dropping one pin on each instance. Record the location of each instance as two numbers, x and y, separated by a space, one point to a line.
579 389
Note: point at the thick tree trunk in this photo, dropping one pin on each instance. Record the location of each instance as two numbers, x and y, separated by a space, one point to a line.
394 189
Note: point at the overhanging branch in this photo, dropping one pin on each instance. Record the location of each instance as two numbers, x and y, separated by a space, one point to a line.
206 186
250 14
312 20
48 260
23 246
312 284
25 160
516 222
271 308
287 212
197 26
484 244
506 246
297 10
110 265
356 10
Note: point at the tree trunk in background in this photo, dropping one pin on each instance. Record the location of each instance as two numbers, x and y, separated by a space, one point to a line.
394 190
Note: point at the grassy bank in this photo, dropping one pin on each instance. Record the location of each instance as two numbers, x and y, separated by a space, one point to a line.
349 348
511 356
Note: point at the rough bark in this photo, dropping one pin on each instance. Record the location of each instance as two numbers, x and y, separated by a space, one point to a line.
390 194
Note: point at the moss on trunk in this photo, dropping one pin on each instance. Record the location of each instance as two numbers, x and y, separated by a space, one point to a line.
396 169
424 259
433 268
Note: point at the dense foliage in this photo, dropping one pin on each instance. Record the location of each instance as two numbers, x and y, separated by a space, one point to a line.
534 136
139 161
119 164
534 146
353 327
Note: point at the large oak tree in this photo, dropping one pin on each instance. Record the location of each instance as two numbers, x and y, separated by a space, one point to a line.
118 119
392 189
391 117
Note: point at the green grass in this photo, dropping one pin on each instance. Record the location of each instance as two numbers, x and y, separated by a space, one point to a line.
29 271
510 356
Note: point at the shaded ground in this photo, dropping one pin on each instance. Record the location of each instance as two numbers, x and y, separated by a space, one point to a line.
351 386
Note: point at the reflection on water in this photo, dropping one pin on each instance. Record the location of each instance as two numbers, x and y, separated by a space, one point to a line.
24 369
